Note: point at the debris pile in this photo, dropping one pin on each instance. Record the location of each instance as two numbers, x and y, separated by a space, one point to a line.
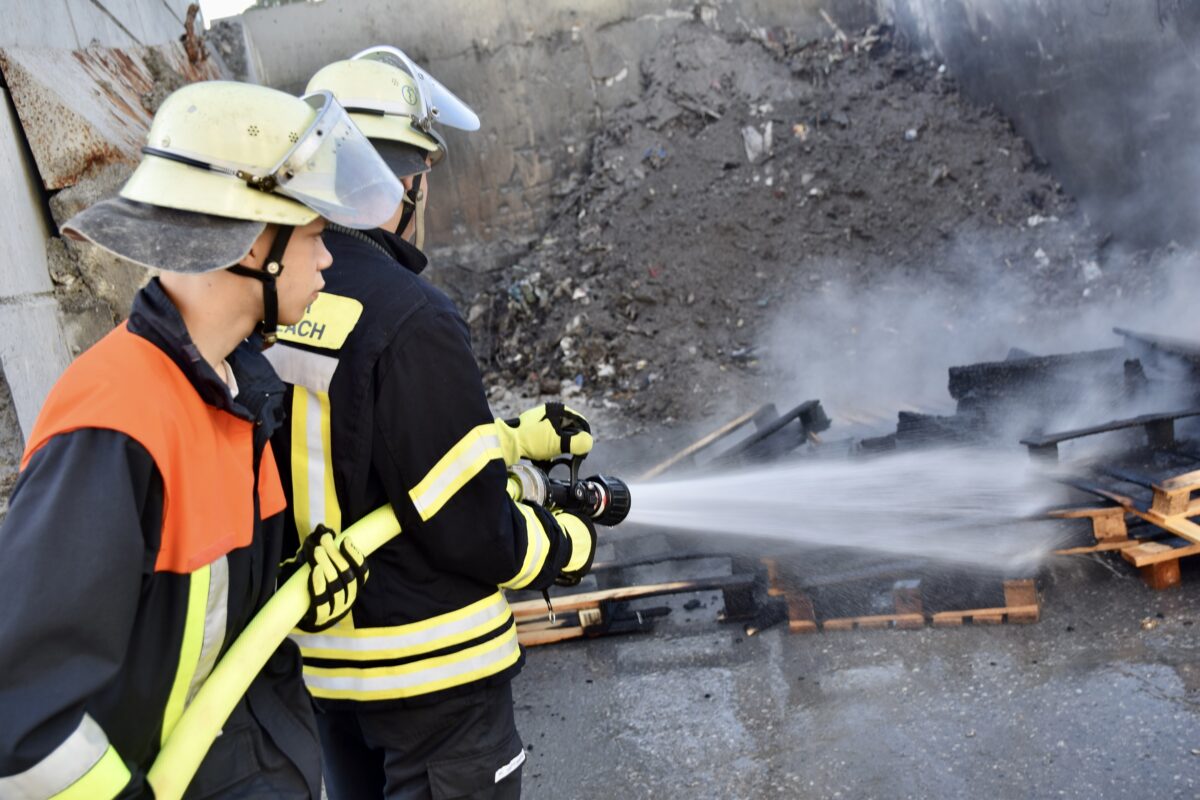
754 171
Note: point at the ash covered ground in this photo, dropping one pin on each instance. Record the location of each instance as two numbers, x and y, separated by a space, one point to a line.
763 203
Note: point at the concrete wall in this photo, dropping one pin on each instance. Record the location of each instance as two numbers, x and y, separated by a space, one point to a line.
543 75
33 349
1106 91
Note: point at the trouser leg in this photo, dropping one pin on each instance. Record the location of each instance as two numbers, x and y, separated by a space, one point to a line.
244 764
353 769
463 747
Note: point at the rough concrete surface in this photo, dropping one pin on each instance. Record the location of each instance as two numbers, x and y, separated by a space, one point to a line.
1100 699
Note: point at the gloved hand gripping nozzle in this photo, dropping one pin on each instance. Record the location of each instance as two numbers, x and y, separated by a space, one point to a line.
602 498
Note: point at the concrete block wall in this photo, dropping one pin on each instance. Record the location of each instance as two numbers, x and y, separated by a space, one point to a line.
32 350
33 346
543 75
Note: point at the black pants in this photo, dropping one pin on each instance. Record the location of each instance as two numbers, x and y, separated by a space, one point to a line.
268 747
463 747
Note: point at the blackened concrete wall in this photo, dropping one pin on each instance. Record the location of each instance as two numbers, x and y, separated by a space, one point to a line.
1107 91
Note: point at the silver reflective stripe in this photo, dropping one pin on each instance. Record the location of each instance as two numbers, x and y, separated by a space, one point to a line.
409 680
316 462
302 368
472 460
538 540
216 616
496 609
69 762
508 768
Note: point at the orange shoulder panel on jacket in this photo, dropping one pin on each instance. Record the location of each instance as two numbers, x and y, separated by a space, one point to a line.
205 456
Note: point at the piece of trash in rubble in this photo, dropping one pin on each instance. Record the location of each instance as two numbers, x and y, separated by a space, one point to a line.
1149 624
756 142
911 135
1091 270
641 364
938 174
942 69
806 178
1196 751
1037 220
800 131
620 76
1042 259
761 110
580 293
743 353
815 192
605 370
971 734
655 156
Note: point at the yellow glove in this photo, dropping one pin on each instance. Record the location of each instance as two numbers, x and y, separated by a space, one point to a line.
582 534
544 433
338 571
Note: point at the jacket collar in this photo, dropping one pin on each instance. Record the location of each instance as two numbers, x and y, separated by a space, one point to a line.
155 318
402 251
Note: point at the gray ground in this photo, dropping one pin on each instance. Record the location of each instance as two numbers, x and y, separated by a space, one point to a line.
1100 699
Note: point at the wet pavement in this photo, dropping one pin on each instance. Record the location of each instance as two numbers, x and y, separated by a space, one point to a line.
1100 699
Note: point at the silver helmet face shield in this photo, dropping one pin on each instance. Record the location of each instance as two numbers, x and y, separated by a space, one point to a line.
332 169
438 104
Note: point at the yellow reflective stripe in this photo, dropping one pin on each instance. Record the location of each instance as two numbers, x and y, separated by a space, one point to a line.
189 651
84 766
422 677
537 547
314 493
581 541
462 463
435 633
333 511
103 781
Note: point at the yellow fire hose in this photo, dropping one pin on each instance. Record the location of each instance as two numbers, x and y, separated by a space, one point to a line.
201 723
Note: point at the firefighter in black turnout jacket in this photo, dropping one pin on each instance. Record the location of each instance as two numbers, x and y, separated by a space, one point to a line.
387 406
145 529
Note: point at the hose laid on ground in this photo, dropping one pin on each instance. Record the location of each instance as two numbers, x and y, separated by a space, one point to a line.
201 723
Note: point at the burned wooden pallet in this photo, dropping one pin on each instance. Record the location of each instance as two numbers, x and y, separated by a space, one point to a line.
759 417
1164 538
1160 432
606 611
778 437
1180 349
1031 374
1021 605
1143 506
606 620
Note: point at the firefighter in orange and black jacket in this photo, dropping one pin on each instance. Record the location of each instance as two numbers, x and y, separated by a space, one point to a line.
145 529
387 406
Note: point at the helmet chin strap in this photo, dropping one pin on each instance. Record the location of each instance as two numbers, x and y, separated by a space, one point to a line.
415 205
270 272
